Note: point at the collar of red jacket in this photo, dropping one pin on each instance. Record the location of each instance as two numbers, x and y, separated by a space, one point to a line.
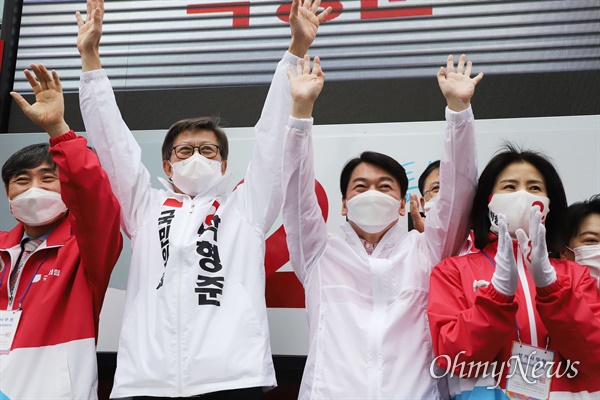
493 237
58 236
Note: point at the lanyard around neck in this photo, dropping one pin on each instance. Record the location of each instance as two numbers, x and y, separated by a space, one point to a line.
30 281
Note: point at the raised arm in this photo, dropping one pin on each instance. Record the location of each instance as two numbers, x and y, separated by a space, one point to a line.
302 218
262 190
93 209
119 153
447 223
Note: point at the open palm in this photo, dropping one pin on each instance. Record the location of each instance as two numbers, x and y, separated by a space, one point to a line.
456 84
306 85
49 109
90 30
304 23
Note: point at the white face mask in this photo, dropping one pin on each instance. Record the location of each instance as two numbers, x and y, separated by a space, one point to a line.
427 206
196 174
589 256
373 211
37 207
517 207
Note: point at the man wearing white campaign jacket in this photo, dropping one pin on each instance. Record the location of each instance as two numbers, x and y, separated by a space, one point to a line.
366 296
195 316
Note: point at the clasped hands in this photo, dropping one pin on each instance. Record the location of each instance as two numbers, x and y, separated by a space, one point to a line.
532 249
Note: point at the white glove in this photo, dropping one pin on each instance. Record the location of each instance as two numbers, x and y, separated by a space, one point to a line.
535 251
506 276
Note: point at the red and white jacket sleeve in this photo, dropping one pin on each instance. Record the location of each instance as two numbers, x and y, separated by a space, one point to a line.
466 332
93 209
570 310
302 217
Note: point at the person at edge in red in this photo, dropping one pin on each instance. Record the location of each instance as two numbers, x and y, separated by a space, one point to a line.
56 262
511 301
582 244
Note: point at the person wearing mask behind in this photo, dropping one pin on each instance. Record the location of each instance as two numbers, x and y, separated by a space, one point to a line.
195 319
366 296
429 186
55 264
510 300
583 239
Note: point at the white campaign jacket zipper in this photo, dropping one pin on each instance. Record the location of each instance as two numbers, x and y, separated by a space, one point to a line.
376 332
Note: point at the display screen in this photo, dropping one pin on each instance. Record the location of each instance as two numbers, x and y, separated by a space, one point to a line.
199 43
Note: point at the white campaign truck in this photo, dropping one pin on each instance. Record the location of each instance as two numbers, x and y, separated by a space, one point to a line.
572 142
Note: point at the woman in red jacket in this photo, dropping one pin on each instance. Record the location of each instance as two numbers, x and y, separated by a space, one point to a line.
509 321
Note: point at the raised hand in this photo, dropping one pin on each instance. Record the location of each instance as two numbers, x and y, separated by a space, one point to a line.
418 220
304 23
90 32
305 86
506 275
48 111
457 85
535 250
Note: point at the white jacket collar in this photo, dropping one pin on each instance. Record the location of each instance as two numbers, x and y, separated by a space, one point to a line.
388 241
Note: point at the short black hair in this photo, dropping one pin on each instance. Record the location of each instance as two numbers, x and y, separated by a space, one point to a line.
556 220
28 157
577 212
430 168
210 123
380 160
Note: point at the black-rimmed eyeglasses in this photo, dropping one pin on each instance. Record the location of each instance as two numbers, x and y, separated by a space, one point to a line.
183 151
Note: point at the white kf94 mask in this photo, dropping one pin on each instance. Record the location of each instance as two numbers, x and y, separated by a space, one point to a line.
37 207
589 256
373 211
196 174
428 205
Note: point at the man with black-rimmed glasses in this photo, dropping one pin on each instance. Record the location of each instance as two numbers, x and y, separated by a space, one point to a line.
195 320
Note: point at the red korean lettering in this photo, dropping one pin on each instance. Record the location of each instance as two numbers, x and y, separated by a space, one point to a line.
369 9
240 10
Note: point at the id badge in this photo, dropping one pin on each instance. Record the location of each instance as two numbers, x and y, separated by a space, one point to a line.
9 321
530 372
